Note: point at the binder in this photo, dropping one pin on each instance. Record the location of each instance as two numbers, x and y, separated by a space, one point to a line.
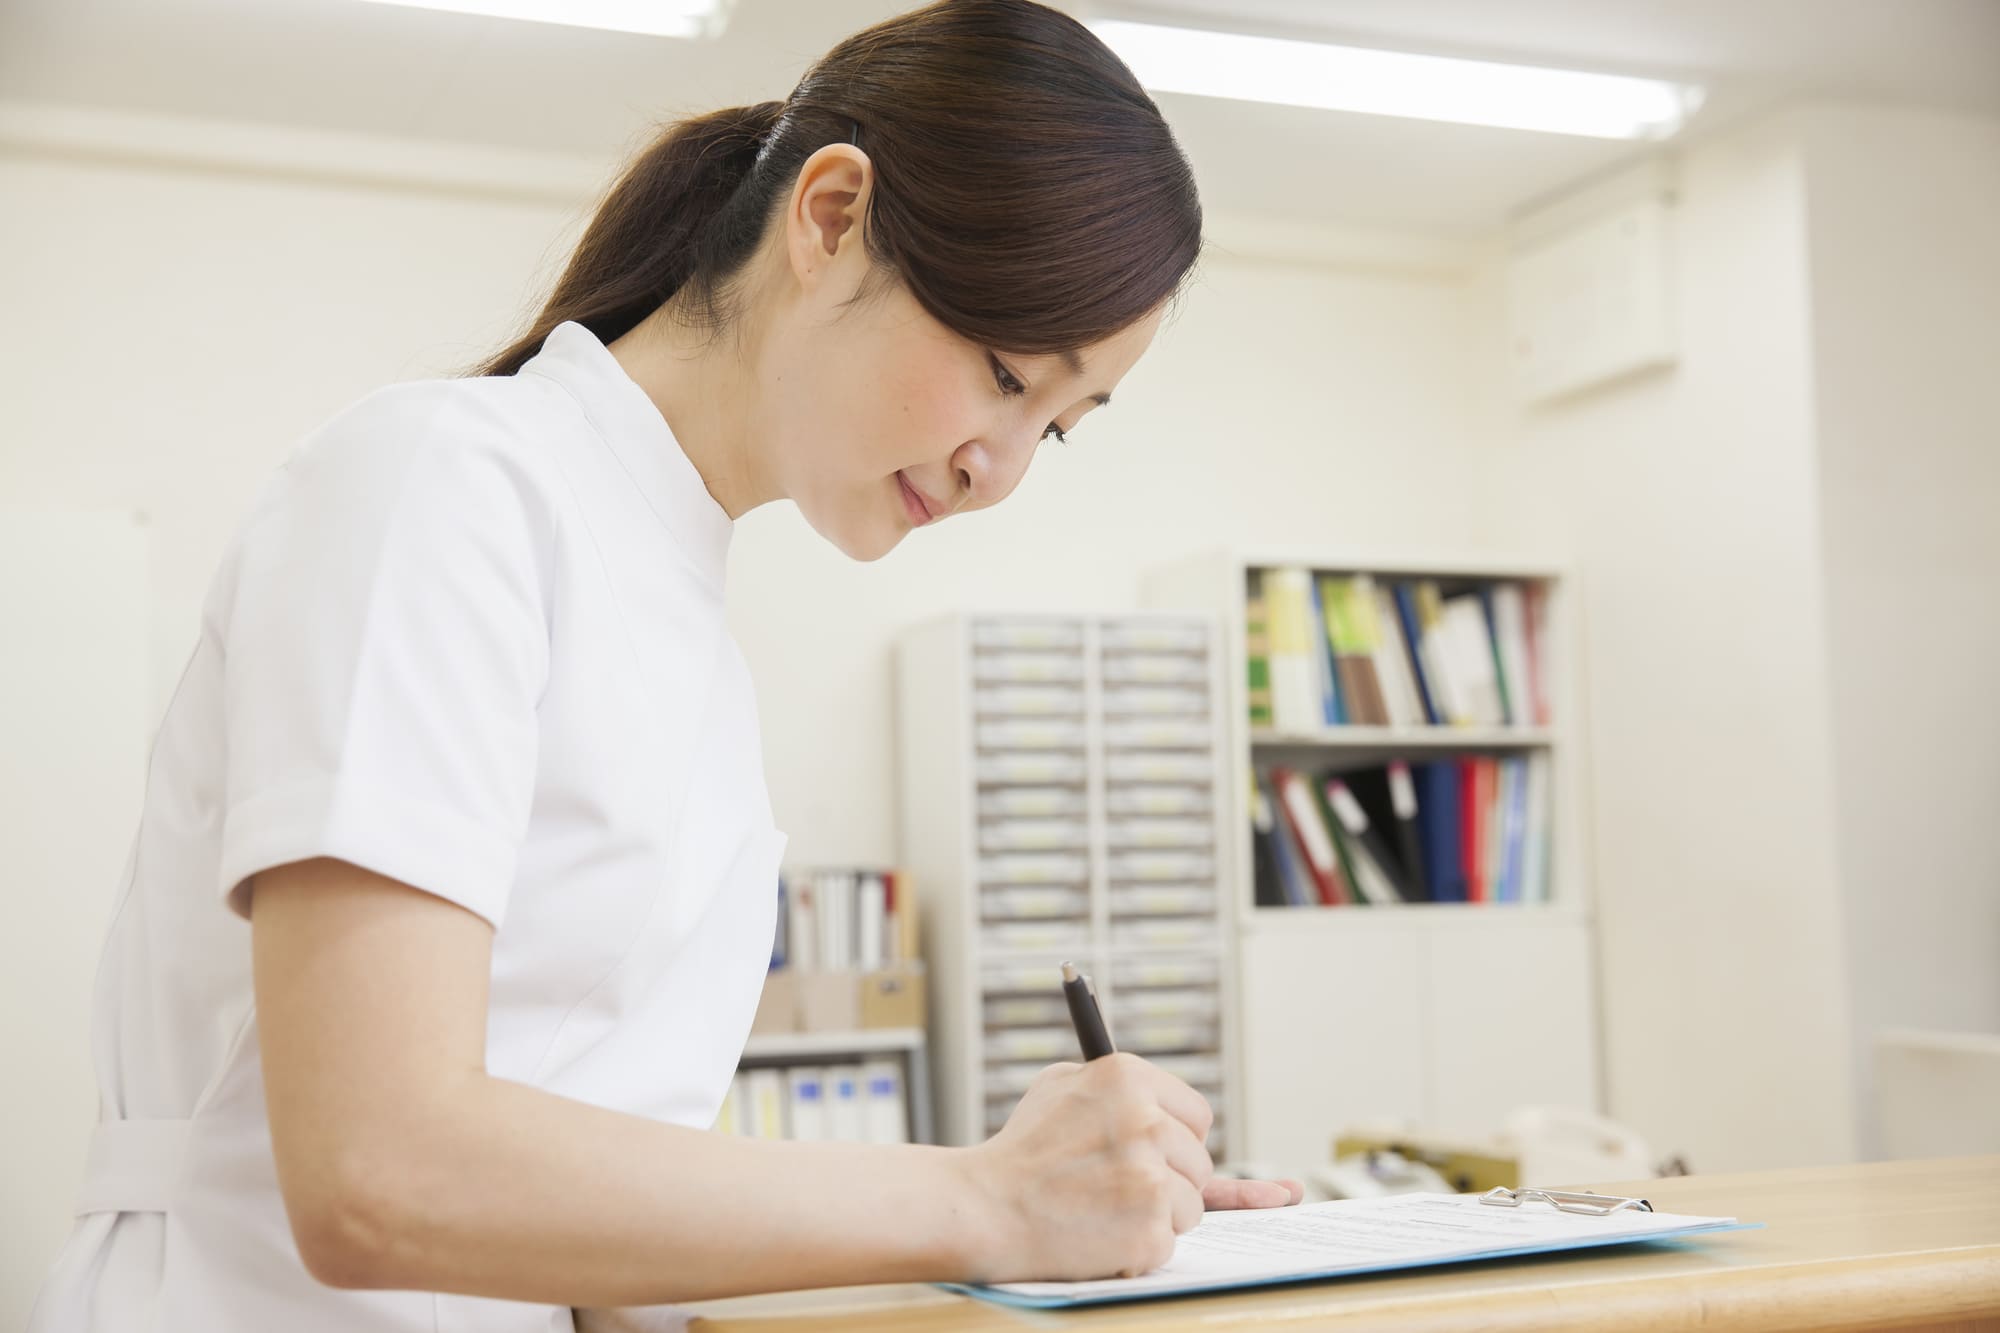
766 1118
1372 865
872 911
1267 889
1294 881
1332 703
806 1086
1438 803
1514 818
844 1105
1350 627
1413 637
1314 837
1403 807
1394 664
1228 1251
728 1116
1295 698
884 1112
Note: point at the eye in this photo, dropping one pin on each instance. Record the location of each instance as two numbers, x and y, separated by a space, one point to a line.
1013 388
1005 378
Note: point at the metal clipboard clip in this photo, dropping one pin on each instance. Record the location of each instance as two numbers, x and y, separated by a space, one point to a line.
1591 1205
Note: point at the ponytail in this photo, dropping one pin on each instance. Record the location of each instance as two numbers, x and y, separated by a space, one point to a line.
1028 194
665 224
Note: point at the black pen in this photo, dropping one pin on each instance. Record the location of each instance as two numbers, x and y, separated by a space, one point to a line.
1083 1012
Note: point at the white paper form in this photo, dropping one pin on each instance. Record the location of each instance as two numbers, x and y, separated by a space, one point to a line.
1231 1249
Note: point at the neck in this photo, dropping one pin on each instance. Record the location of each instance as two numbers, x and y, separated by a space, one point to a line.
705 388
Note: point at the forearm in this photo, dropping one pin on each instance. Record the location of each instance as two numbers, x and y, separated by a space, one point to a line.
404 1164
521 1194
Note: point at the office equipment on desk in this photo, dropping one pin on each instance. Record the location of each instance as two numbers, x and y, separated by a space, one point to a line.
1227 1251
1372 1174
1535 1146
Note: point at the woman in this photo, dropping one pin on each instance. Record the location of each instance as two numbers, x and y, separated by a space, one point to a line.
467 749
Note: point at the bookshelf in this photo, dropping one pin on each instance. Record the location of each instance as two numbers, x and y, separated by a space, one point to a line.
1445 1015
1062 799
837 1048
827 1053
790 1047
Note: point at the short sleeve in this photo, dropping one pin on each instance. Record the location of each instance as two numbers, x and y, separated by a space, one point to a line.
385 641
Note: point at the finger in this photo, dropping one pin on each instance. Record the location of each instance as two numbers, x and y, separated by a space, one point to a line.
1224 1193
1176 1098
1185 1153
1057 1069
1187 1205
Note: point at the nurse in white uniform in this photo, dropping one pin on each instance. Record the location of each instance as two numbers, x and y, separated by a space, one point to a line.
454 887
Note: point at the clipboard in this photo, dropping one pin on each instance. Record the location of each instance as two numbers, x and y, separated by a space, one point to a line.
1233 1251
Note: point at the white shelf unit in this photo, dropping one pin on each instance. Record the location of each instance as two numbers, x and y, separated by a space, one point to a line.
1441 1015
1048 817
764 1050
802 1046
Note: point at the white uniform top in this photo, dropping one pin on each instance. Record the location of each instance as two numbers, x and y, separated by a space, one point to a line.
470 636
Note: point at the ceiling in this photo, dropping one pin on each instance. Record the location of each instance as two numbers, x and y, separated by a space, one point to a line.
347 66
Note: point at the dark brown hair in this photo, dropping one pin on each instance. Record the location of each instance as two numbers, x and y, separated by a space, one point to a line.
1027 191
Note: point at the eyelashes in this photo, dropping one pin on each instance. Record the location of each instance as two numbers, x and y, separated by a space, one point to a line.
1010 386
1013 388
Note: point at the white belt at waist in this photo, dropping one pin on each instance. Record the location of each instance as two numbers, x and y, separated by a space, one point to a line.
133 1166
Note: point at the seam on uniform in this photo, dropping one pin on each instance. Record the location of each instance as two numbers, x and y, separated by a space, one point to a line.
704 694
645 495
428 444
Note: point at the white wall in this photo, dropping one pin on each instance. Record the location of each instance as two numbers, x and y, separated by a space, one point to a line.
1688 501
173 328
171 332
73 603
1906 335
1789 543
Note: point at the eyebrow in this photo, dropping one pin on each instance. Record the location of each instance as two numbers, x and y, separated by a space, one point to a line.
1073 361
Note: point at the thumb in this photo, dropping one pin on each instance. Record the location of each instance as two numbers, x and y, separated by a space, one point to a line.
1224 1193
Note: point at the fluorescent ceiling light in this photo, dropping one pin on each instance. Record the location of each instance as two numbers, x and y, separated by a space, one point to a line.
655 18
1391 83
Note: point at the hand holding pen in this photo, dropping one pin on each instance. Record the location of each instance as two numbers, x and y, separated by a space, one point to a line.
1221 1192
1102 1164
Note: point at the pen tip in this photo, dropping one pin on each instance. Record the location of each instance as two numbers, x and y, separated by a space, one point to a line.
1069 971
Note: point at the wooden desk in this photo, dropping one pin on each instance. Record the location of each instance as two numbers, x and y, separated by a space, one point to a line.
1887 1245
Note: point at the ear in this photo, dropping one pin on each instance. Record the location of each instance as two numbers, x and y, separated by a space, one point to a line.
824 217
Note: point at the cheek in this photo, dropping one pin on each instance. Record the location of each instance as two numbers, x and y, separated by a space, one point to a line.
923 412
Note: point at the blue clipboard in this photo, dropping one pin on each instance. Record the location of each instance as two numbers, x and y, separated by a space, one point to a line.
1583 1204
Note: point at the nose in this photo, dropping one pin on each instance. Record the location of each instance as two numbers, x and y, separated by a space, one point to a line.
988 474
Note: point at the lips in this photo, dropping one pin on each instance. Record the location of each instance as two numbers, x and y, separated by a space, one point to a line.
922 501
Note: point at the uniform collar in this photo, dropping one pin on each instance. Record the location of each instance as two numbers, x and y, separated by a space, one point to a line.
638 434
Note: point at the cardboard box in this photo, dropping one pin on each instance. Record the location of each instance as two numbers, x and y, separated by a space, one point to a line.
829 1001
778 1006
842 1000
893 997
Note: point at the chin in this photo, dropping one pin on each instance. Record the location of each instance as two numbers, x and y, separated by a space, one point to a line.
859 542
